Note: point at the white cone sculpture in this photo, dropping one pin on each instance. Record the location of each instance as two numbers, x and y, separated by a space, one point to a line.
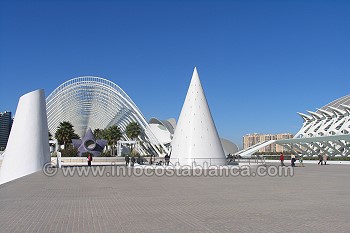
28 145
195 138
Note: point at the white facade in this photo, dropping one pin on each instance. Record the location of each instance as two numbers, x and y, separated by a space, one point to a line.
196 138
28 145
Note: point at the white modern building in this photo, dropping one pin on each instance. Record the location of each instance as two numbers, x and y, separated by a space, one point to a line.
93 102
97 103
332 119
325 131
163 129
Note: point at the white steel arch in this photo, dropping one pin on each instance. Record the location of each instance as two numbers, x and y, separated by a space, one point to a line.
94 102
332 119
326 131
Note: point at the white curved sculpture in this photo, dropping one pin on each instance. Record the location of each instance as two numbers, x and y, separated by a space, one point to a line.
195 138
28 145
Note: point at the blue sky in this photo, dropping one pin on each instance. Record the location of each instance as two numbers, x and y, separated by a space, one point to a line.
260 62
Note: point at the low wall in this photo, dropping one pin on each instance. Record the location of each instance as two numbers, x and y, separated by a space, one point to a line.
287 162
71 161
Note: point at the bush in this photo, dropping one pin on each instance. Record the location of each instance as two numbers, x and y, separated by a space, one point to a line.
106 153
69 152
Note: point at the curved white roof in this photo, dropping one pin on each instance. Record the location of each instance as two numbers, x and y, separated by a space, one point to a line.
331 119
338 103
228 146
96 103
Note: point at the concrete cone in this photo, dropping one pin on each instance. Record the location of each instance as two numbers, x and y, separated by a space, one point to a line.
196 138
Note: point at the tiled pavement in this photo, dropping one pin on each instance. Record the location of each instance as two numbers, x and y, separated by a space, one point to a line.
316 199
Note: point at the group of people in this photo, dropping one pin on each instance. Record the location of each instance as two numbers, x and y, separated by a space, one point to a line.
292 160
139 160
132 160
232 158
322 159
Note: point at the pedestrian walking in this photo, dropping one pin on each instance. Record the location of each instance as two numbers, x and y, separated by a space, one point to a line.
151 160
301 161
167 159
127 160
292 160
320 160
325 159
282 159
89 159
133 160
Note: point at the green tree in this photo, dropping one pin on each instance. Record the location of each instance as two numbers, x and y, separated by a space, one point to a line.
65 133
50 136
113 134
133 130
50 139
99 133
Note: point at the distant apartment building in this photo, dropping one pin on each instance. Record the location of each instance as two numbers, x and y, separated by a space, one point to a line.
5 128
252 139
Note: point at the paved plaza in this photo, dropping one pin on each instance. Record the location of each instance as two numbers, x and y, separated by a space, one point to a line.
315 199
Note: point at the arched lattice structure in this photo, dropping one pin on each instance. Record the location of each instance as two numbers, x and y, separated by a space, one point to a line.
331 119
93 102
338 103
324 132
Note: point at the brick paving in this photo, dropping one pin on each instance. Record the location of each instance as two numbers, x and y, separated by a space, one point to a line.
316 199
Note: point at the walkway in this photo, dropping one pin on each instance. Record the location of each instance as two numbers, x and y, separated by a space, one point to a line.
316 199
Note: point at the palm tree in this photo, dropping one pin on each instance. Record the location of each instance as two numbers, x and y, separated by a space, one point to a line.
99 133
113 135
65 133
50 136
133 130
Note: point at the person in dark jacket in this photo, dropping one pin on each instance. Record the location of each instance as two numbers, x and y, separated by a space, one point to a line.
167 159
320 160
133 160
127 160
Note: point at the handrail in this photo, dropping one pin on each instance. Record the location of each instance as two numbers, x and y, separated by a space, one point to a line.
162 160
